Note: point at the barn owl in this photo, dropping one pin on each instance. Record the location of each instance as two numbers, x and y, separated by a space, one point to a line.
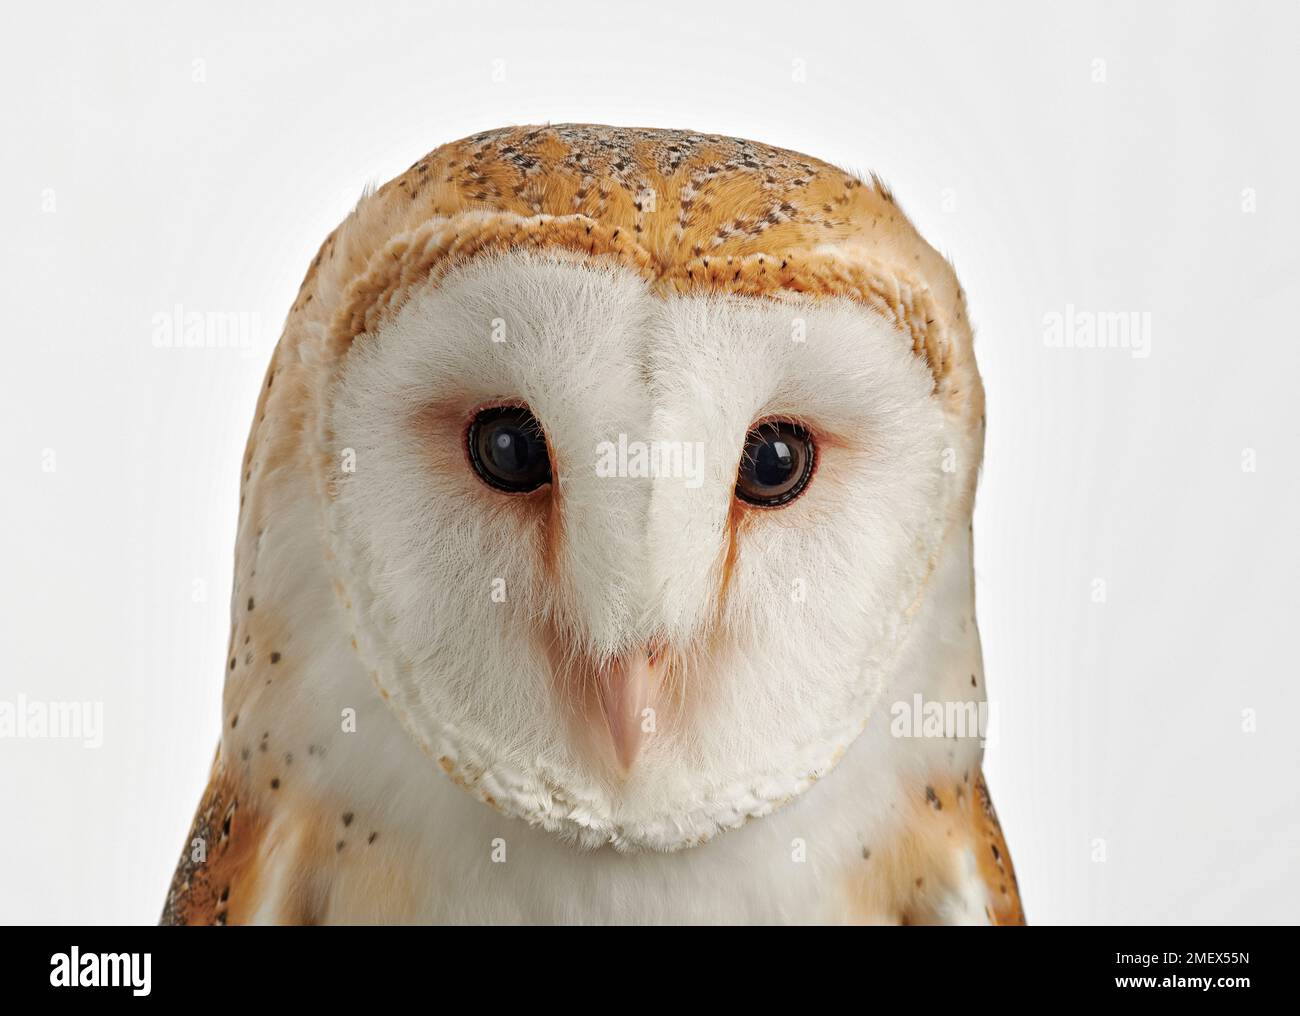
604 556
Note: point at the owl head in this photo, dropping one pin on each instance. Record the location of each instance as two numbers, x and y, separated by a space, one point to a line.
630 453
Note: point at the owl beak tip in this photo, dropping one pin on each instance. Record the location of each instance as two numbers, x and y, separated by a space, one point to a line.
627 690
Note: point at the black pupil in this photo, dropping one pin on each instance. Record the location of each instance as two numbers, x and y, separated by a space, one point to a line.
774 461
508 449
511 449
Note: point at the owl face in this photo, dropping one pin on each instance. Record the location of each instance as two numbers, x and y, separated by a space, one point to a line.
631 564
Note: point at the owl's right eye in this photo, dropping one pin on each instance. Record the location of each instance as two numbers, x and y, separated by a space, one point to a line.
776 465
508 449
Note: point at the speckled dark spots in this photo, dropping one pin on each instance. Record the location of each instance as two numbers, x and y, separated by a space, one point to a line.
245 754
275 783
288 758
234 721
338 847
275 657
972 681
347 818
866 853
932 799
225 894
250 603
919 882
232 663
997 854
371 837
221 918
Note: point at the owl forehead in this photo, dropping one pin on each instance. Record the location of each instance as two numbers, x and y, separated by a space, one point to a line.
678 193
689 212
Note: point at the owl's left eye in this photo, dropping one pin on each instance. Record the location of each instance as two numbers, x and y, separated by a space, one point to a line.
508 450
776 465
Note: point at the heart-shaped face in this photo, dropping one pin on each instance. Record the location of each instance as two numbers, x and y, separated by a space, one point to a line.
631 564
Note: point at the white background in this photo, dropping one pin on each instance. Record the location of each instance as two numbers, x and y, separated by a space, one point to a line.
1120 724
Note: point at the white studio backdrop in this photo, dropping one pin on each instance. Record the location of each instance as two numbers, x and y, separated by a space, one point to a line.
1136 537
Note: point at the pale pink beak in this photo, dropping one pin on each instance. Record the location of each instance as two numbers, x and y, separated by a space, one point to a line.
628 689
